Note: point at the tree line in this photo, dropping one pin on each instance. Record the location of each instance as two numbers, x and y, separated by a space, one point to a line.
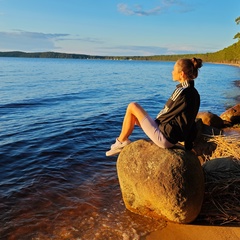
230 54
48 55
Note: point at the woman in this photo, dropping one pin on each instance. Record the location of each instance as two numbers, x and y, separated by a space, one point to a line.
176 121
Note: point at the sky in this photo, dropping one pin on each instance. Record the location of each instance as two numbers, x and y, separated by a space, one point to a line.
118 27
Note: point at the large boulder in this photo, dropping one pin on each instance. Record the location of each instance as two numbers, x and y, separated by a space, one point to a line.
232 115
161 183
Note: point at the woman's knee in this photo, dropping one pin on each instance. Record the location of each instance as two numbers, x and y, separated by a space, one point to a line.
136 110
132 105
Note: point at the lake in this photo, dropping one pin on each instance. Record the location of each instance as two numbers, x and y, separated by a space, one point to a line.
58 117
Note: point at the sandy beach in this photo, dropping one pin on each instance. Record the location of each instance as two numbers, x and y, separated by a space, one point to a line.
175 231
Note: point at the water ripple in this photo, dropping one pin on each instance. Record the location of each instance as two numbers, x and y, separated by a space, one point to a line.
58 117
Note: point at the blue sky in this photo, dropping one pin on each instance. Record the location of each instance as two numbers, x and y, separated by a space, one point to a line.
118 27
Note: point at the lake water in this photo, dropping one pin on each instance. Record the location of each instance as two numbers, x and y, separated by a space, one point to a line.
58 117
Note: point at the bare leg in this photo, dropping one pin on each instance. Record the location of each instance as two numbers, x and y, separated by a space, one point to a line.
134 115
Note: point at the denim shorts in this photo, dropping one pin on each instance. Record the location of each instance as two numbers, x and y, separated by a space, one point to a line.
150 127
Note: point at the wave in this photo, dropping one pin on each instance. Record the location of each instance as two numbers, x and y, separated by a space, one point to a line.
35 102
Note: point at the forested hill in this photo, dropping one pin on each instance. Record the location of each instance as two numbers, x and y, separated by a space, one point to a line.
230 55
47 55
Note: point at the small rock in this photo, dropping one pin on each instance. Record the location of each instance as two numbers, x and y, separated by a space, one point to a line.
232 114
211 119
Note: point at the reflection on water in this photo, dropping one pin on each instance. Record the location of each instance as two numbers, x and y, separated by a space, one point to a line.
57 119
92 210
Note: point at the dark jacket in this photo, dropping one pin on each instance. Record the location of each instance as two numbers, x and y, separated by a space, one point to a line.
177 120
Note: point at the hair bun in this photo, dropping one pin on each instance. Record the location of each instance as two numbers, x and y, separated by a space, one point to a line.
197 62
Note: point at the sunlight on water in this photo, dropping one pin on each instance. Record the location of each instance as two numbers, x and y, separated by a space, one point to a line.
58 117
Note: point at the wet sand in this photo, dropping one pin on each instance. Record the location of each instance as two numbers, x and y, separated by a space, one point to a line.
175 231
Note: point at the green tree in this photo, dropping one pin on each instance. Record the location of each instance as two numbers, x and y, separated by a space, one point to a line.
237 36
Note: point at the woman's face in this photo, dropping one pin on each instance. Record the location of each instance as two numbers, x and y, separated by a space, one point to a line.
176 74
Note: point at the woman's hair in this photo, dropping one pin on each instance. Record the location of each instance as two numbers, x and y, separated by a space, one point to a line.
190 67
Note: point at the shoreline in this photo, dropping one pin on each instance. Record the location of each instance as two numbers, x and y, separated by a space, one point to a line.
174 231
232 64
226 63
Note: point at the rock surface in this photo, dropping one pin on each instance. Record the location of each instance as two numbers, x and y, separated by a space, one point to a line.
211 119
161 183
223 168
232 115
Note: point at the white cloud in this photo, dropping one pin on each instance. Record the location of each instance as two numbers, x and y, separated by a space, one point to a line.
28 41
137 10
130 50
165 5
19 40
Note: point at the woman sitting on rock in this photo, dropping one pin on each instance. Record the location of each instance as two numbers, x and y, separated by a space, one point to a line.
176 121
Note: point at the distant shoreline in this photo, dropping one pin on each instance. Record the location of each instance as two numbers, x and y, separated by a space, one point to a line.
89 57
230 64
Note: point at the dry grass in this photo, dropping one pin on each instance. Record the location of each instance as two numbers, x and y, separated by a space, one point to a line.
222 186
227 146
222 202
